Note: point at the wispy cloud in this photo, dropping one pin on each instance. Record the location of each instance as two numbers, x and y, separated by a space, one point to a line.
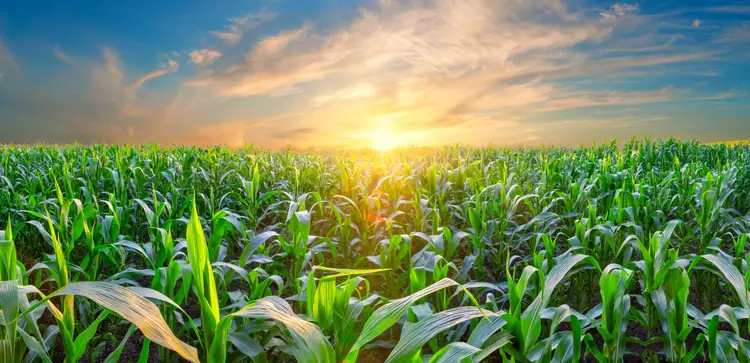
238 26
362 90
397 39
204 56
171 66
738 9
7 60
107 78
269 46
61 55
429 67
736 34
419 71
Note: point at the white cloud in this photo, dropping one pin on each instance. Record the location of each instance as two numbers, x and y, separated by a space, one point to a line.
736 34
7 60
238 26
620 10
405 39
624 9
446 65
362 90
570 100
204 56
414 71
269 46
108 78
171 66
738 9
61 55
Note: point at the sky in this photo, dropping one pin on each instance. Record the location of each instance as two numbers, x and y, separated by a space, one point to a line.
330 74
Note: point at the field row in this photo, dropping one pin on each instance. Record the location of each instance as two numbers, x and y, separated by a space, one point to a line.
609 253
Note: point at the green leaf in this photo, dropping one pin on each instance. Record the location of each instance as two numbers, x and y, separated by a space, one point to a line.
133 308
555 276
115 355
245 344
310 343
497 341
83 339
143 358
485 329
388 314
454 352
348 272
730 273
417 334
9 305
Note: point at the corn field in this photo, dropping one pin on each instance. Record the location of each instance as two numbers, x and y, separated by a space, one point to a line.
612 253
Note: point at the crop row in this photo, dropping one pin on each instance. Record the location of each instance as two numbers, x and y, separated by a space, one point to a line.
608 253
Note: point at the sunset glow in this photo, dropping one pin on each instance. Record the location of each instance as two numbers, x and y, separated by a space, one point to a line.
279 74
325 181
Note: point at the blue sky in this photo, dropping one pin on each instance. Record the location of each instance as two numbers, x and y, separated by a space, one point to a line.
374 73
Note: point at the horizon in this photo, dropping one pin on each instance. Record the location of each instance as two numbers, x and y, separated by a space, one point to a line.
368 149
383 75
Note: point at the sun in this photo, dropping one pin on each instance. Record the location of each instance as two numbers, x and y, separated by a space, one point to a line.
384 144
383 138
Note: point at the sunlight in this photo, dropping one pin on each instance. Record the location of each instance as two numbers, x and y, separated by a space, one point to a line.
383 138
383 144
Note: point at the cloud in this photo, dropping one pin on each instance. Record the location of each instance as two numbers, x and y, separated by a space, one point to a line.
624 9
426 72
269 46
620 10
61 55
238 26
408 40
204 56
362 90
738 9
7 60
107 78
294 134
608 98
736 34
444 69
171 66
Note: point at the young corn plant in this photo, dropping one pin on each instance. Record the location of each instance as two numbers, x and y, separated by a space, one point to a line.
671 303
125 302
525 325
308 344
656 264
334 307
615 313
21 340
415 335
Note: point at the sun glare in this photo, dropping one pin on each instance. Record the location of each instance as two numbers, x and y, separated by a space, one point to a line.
383 138
383 145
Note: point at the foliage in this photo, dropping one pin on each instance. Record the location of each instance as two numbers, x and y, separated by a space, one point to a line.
451 255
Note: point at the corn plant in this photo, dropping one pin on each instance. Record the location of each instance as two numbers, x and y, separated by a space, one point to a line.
355 255
615 313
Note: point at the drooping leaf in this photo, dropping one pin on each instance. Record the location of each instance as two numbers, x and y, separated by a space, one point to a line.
454 352
132 307
417 334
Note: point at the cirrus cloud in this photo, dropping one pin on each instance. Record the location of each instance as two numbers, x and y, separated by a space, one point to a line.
237 27
204 56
